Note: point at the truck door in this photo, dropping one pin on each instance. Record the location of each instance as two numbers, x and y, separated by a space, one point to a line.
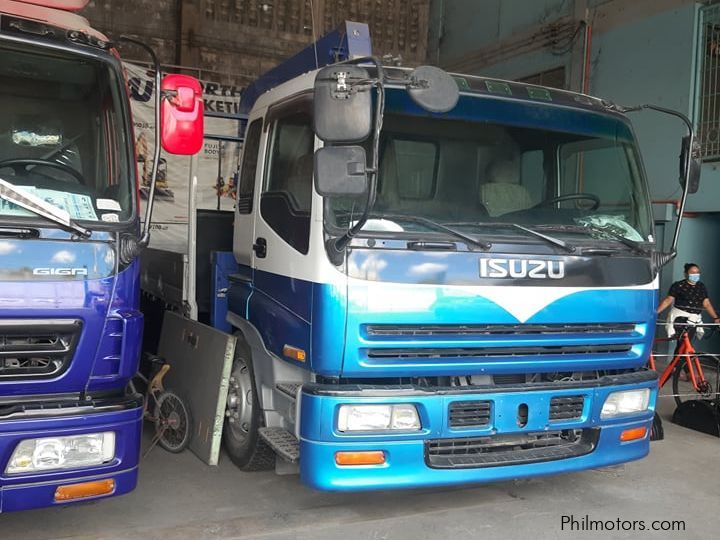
280 306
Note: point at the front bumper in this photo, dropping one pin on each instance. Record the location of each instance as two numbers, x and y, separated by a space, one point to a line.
37 490
407 464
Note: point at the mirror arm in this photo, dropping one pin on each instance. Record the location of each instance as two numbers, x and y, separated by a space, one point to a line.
338 245
665 258
145 237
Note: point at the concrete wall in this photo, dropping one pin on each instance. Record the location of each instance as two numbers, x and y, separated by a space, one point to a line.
233 41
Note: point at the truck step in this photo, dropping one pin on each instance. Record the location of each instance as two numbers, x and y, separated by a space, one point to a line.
288 388
282 442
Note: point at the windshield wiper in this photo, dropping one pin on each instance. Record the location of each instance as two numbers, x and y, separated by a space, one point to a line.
550 239
42 208
632 244
438 227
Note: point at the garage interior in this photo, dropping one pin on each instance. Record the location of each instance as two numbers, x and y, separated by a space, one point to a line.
663 52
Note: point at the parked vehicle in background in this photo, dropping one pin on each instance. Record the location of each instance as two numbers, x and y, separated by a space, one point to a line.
70 324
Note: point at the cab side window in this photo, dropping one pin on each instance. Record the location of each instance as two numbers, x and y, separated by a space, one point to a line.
246 187
287 194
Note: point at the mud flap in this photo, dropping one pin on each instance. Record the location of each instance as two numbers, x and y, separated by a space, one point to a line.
700 415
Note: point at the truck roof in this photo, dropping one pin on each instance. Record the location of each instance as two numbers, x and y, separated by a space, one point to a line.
56 13
469 85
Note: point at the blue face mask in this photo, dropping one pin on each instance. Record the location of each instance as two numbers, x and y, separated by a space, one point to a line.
693 278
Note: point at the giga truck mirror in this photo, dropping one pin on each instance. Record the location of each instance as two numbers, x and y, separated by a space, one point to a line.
181 115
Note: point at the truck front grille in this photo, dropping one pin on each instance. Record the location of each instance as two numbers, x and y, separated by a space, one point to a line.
33 348
566 408
512 449
490 352
384 330
470 413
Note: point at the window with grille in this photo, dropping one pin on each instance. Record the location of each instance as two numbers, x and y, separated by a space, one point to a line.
708 82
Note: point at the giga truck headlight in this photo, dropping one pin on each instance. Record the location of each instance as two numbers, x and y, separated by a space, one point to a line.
401 416
52 453
626 402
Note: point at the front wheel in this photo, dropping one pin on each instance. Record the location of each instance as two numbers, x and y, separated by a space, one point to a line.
243 418
707 387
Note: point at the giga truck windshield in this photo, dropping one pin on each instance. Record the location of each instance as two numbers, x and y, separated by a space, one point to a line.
63 135
491 164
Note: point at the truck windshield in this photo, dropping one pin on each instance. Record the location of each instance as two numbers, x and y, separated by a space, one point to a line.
62 135
496 163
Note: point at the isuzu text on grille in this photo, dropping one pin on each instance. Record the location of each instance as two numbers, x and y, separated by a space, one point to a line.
522 268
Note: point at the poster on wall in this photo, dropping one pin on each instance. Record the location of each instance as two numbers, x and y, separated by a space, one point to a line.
216 168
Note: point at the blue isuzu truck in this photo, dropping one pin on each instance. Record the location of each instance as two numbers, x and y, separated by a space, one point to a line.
433 279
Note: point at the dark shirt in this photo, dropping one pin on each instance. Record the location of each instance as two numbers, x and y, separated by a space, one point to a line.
689 297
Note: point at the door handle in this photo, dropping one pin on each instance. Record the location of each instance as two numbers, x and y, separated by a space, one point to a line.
260 248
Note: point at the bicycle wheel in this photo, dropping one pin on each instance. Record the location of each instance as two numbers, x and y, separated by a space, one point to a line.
708 388
173 423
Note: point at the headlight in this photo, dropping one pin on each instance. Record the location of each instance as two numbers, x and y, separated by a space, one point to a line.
53 453
626 402
378 417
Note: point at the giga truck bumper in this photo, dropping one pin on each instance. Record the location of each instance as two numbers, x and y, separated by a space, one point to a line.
123 416
521 434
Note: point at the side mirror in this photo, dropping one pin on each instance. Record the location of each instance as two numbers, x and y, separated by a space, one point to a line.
692 176
340 171
181 115
342 109
433 89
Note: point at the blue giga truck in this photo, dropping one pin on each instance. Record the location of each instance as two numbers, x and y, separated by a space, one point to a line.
70 237
433 279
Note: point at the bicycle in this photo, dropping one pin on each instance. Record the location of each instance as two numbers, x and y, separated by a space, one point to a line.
165 409
702 369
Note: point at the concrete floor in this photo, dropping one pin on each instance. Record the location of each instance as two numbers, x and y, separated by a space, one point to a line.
179 498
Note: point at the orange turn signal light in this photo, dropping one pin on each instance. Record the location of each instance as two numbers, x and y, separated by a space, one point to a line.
369 457
633 434
84 490
293 352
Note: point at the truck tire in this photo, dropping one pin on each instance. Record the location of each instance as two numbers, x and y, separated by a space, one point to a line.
243 418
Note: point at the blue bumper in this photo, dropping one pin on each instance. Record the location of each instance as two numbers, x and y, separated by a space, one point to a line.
407 462
26 491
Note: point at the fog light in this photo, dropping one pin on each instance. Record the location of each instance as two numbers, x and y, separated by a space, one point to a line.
626 402
401 417
53 453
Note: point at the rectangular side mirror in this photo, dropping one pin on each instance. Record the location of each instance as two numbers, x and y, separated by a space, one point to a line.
342 111
181 115
692 176
340 171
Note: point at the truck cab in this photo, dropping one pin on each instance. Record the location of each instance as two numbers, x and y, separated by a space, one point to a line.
490 319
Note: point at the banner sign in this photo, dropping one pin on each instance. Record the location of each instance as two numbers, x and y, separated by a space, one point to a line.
216 168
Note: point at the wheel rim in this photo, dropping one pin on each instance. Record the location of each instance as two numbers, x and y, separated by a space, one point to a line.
172 421
239 408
